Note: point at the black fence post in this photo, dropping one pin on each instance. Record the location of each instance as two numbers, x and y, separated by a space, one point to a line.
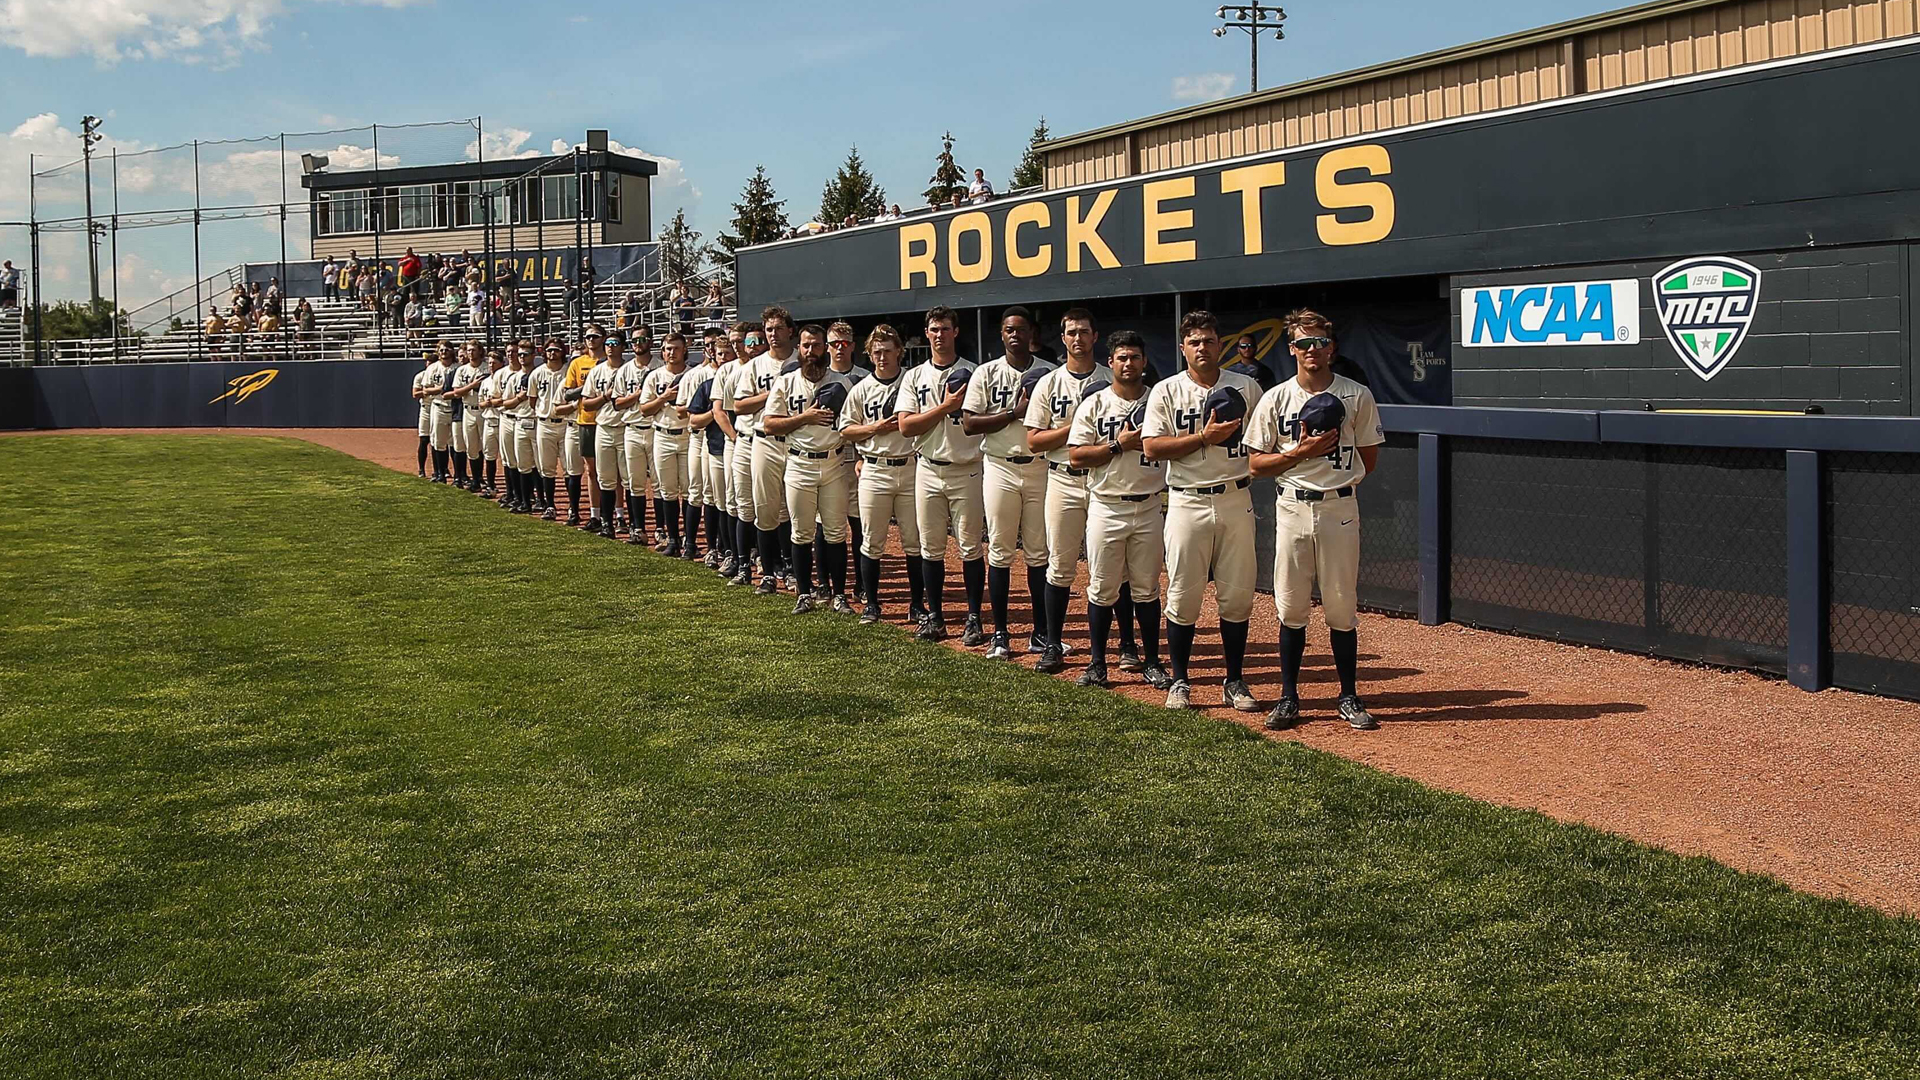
1436 555
1809 652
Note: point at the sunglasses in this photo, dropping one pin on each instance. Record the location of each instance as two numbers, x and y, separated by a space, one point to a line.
1311 342
1245 346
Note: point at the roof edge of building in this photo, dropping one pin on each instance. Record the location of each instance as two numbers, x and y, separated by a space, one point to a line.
1585 24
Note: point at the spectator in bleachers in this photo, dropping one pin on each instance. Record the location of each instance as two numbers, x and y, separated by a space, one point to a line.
330 280
509 281
273 293
450 305
410 269
542 316
628 316
683 307
303 324
269 324
589 282
980 190
214 329
716 301
9 286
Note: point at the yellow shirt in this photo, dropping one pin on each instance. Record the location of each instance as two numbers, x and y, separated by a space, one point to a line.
577 370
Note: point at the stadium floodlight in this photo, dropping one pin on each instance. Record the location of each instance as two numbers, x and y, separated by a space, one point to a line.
312 163
1253 18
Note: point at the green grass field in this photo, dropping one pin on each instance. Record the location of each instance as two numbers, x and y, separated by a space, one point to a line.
308 769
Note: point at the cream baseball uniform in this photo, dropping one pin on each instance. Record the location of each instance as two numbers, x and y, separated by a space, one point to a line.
696 441
521 418
1316 516
1014 481
548 385
669 435
467 434
490 415
947 477
637 450
1126 529
1055 398
769 461
740 449
437 373
609 428
817 477
1209 511
886 482
720 476
422 380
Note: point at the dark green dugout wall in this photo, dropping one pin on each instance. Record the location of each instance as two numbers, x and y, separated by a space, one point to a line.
325 393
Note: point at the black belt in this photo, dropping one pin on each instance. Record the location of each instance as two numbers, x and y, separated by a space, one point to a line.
937 461
871 460
1054 466
1022 459
764 435
810 455
1315 496
1132 498
1214 489
670 431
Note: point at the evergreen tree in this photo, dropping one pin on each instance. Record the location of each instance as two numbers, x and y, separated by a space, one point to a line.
757 218
947 180
1032 171
851 191
679 249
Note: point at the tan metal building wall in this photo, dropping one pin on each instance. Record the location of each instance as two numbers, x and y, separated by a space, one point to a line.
1655 41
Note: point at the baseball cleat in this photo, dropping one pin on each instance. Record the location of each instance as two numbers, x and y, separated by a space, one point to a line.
1052 660
1130 659
973 633
664 546
728 566
768 586
1178 695
1036 644
1156 676
792 583
822 594
712 560
573 518
636 539
550 514
841 605
1095 675
999 650
1285 715
934 629
870 616
803 605
1239 696
689 552
1356 714
743 576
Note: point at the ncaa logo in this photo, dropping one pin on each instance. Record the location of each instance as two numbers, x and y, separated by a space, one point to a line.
1552 313
1706 307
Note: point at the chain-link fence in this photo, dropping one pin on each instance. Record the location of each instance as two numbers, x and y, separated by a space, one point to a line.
137 256
1872 521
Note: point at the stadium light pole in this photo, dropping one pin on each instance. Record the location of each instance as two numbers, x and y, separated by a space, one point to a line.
90 134
1254 19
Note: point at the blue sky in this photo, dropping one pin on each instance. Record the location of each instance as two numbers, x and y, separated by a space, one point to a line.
715 89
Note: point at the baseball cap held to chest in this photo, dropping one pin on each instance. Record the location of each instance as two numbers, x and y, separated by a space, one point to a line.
1322 412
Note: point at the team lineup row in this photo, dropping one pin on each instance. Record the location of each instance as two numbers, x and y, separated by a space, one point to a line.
784 444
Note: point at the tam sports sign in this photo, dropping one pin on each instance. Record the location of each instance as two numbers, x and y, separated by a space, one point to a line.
1568 313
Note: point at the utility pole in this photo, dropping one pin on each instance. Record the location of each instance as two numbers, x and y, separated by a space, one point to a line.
90 134
1253 18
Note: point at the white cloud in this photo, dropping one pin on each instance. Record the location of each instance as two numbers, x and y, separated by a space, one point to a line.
1211 86
191 31
504 143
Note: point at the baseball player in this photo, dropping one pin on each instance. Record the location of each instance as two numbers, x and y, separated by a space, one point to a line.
516 426
708 423
1193 424
440 379
1319 435
657 396
769 466
490 422
609 428
722 394
422 387
741 388
1049 422
844 367
1125 526
469 437
1014 481
886 481
577 452
548 386
635 449
696 378
947 476
803 408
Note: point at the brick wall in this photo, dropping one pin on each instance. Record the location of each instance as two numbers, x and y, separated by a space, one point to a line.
1831 328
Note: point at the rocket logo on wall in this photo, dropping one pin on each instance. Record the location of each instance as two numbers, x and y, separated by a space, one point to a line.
1706 306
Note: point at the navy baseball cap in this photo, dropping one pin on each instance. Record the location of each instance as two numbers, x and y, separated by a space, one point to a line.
831 395
791 365
1137 419
958 378
1032 379
1322 412
1226 403
1095 384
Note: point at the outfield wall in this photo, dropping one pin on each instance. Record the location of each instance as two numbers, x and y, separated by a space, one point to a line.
319 393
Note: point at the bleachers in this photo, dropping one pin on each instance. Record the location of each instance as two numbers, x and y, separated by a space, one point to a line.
343 330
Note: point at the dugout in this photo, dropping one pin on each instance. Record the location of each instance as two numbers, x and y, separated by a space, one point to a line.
1552 255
